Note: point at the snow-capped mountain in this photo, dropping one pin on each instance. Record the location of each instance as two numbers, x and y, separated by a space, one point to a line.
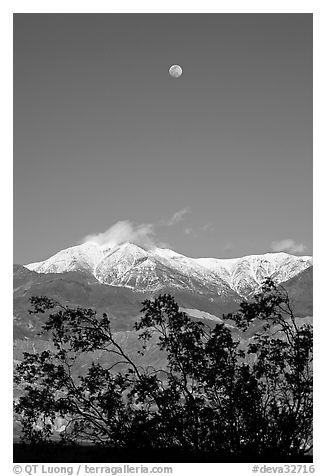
245 275
131 266
84 257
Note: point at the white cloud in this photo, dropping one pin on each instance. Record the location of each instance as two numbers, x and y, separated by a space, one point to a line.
288 245
122 232
177 217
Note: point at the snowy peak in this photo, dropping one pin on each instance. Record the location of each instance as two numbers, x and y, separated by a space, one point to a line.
150 270
130 265
245 275
114 267
83 257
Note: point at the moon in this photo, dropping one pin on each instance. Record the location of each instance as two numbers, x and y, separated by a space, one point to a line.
175 71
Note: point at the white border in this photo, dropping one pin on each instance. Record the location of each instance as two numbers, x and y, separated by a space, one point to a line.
96 6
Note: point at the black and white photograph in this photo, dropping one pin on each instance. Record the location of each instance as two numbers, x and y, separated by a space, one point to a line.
163 238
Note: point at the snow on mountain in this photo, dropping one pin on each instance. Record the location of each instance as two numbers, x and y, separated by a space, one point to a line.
190 267
149 270
245 275
128 265
131 266
83 257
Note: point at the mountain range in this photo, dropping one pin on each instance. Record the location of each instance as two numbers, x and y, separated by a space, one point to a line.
149 270
117 279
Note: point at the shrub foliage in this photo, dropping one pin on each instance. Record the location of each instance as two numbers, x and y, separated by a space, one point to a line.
217 393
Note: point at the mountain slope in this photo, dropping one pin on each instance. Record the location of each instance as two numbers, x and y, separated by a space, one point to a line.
78 288
300 290
131 266
84 257
245 275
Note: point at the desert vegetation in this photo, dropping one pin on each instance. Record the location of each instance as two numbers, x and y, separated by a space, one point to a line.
220 396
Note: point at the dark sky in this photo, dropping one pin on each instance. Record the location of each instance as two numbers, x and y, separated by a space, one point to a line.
103 134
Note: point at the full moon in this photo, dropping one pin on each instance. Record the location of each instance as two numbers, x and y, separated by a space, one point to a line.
175 71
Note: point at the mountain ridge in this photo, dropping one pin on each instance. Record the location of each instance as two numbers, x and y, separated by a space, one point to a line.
131 266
